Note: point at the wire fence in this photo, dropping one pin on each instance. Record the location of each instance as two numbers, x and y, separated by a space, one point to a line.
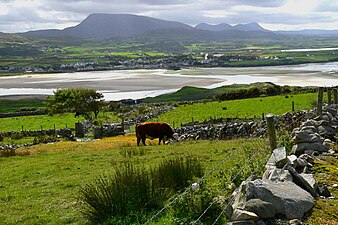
260 144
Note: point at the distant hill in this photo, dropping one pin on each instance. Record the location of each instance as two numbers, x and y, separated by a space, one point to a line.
11 38
249 27
109 26
102 26
227 27
217 27
203 35
309 32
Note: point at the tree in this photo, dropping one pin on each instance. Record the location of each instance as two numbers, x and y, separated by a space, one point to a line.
76 100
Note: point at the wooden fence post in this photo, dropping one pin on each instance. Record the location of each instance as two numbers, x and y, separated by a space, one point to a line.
270 118
329 96
320 101
293 106
335 95
262 116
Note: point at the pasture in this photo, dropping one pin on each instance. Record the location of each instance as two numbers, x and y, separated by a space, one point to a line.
48 122
43 187
243 108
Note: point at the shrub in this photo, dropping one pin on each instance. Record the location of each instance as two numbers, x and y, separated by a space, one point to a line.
133 193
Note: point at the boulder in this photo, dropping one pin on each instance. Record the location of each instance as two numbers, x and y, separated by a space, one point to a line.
292 160
288 198
306 136
278 175
261 208
242 222
240 214
309 123
299 148
305 160
301 182
278 157
326 131
310 179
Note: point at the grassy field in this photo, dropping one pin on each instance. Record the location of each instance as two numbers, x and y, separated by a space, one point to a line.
250 108
15 105
43 187
47 122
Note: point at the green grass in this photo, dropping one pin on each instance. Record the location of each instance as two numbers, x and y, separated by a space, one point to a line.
47 122
15 105
250 108
43 188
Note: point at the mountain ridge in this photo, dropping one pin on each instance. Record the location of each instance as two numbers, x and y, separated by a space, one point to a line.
99 26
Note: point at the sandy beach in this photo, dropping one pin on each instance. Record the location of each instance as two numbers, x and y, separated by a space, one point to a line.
135 84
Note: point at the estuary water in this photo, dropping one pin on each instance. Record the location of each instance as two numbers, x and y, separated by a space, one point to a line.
136 84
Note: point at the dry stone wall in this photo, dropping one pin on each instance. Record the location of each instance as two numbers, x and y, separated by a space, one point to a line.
287 188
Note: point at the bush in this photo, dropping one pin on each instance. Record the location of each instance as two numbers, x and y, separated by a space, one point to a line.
133 193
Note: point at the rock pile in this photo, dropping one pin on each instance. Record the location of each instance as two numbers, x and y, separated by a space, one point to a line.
230 128
108 130
287 189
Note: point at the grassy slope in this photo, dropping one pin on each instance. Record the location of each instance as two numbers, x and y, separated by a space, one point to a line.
15 105
325 211
42 188
238 108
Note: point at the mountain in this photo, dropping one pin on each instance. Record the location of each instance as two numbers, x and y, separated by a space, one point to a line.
102 26
217 27
179 34
109 26
227 27
249 27
309 32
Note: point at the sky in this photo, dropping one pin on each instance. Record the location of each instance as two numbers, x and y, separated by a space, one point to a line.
24 15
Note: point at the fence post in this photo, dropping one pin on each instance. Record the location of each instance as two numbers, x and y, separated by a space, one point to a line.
335 95
270 118
329 96
262 116
320 101
21 128
293 106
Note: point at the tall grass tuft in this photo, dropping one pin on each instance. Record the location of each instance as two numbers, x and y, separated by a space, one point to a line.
132 193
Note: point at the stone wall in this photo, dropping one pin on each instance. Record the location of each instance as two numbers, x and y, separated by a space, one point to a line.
287 188
23 113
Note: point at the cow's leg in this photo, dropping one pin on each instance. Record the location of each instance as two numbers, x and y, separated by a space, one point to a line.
144 141
160 139
138 141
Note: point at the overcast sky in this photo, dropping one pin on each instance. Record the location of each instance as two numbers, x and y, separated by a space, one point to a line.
24 15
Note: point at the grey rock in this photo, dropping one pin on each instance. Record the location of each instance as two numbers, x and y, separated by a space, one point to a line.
310 179
309 123
261 208
322 190
292 160
288 199
278 157
279 175
311 129
306 136
300 148
301 182
295 222
240 214
243 222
